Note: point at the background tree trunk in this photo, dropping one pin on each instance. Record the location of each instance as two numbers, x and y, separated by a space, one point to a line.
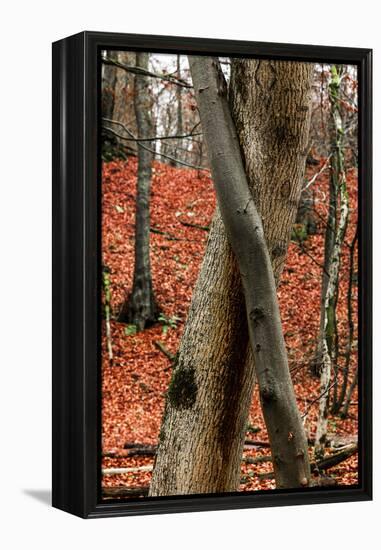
140 308
179 108
338 183
124 109
108 86
351 328
329 241
201 440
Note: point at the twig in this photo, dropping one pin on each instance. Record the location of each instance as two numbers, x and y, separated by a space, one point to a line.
301 246
189 224
164 350
319 397
144 72
164 155
165 234
327 224
315 177
153 138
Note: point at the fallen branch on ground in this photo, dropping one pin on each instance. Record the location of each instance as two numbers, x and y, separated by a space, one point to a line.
116 454
195 225
120 491
165 234
256 459
164 350
325 463
121 471
252 443
337 458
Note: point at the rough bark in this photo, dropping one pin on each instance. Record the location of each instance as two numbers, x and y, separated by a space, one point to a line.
140 307
244 230
306 217
204 424
271 109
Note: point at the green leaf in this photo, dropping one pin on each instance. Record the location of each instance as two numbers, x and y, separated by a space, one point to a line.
130 330
253 429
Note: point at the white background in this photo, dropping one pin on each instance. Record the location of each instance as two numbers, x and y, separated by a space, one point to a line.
28 28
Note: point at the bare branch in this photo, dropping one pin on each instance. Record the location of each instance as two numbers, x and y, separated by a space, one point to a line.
301 246
143 72
315 177
319 397
153 138
170 157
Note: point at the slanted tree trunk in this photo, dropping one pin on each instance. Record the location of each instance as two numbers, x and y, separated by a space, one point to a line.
245 233
205 419
338 182
140 307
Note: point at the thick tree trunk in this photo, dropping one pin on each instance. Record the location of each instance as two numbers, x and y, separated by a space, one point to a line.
140 307
204 425
201 439
271 109
244 229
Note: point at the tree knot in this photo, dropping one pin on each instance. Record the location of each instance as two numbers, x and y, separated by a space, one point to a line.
256 315
268 393
278 250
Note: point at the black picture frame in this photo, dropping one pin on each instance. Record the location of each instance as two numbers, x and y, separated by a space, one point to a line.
77 274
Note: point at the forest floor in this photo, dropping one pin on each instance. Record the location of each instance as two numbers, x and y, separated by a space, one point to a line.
135 383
